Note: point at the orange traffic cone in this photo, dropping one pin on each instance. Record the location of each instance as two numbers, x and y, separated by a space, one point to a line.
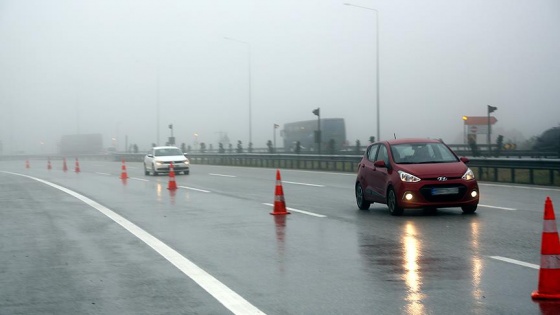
279 202
26 163
77 169
49 166
549 273
124 175
172 184
64 166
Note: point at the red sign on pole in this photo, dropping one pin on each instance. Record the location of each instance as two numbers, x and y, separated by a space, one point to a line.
478 120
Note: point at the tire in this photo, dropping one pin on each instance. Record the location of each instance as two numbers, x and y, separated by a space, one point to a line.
469 209
154 172
392 203
146 172
360 200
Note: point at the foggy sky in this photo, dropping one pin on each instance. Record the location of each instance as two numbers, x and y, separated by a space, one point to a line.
123 68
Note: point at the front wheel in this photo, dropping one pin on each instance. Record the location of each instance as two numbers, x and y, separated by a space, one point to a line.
469 209
392 203
146 172
360 200
154 172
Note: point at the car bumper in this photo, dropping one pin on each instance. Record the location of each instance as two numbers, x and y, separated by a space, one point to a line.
438 195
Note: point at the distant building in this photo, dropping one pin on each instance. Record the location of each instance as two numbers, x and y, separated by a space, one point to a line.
81 144
332 129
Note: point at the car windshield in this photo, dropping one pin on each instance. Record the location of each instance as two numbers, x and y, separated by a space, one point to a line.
417 153
168 152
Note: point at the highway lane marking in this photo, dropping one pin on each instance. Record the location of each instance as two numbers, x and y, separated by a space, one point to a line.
195 189
304 184
516 262
520 187
222 293
221 175
140 179
103 173
300 211
501 208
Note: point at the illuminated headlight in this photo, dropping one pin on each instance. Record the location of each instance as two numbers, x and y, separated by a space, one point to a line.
409 178
186 162
474 194
469 175
159 163
408 196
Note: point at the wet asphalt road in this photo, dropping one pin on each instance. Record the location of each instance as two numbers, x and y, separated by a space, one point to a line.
66 254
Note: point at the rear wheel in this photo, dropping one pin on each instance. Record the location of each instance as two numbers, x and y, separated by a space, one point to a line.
392 203
469 209
146 172
360 201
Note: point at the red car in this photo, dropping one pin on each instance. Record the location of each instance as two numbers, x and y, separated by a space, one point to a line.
413 174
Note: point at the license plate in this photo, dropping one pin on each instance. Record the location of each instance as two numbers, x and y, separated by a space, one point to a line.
445 191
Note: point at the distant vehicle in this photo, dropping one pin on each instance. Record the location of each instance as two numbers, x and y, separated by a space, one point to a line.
159 158
415 173
304 132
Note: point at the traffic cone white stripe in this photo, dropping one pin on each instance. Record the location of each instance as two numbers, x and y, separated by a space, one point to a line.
550 261
549 226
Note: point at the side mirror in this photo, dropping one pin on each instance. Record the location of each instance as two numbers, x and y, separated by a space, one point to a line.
379 163
150 155
185 154
464 159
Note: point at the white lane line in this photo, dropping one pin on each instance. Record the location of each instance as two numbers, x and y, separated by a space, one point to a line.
195 189
516 262
221 175
103 173
140 179
494 207
300 211
304 184
229 298
519 187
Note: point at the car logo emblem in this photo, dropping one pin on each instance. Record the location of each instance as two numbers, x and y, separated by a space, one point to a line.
442 178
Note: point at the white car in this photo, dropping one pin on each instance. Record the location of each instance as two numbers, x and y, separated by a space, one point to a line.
159 158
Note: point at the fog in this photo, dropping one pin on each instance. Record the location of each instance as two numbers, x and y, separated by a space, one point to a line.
128 69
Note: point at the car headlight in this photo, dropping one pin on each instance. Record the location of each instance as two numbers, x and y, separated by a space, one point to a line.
186 162
409 178
159 162
469 175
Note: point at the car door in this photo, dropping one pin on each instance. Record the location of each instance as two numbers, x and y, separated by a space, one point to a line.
366 170
380 174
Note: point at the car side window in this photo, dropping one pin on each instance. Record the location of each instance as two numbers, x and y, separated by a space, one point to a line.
372 151
382 155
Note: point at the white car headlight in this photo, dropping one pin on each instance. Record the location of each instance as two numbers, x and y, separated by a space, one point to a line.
409 178
469 175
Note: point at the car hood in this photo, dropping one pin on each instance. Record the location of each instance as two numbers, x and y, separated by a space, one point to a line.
430 170
173 158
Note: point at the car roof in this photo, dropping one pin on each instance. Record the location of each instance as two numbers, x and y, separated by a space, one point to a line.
413 140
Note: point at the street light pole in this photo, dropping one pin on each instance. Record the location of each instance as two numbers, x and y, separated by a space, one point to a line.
377 63
250 85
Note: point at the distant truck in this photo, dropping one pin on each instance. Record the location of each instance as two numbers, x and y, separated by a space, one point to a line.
81 144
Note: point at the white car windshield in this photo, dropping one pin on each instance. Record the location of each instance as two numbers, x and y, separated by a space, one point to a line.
167 152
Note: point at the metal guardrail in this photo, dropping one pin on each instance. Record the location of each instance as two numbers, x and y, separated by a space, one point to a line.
520 171
508 170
